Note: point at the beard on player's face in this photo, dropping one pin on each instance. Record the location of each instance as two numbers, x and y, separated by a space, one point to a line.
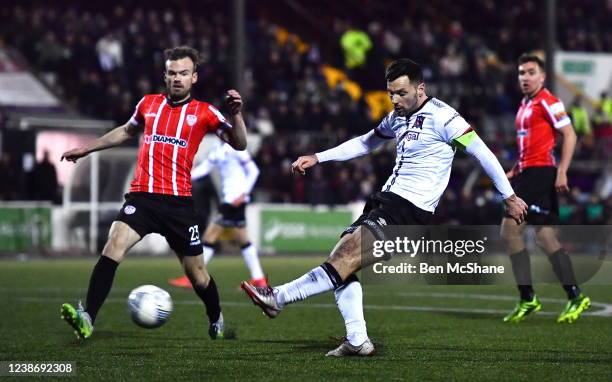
406 104
404 95
177 91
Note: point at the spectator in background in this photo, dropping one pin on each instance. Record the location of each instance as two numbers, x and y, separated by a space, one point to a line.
580 117
42 180
355 43
606 105
11 178
110 52
582 125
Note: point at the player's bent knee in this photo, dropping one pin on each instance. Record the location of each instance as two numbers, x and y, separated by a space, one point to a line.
121 238
114 250
510 231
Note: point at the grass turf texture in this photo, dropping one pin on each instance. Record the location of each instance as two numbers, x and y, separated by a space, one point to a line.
454 342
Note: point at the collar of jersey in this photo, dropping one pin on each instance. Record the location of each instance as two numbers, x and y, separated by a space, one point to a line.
418 109
175 104
527 98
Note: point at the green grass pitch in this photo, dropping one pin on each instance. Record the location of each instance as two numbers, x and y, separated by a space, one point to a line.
422 332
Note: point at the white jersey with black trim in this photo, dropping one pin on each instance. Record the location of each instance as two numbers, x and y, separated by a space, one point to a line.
424 151
237 170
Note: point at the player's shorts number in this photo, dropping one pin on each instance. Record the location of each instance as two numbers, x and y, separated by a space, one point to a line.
195 234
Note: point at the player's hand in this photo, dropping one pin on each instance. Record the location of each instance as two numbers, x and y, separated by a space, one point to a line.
233 102
561 182
239 200
304 162
74 154
516 208
511 174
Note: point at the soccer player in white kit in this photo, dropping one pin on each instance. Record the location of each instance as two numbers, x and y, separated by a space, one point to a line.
427 132
238 174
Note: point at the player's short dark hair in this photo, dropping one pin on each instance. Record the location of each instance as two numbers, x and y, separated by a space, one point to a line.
530 57
184 51
404 67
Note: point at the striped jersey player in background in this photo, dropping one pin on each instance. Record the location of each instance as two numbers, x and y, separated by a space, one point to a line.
537 180
160 199
238 174
426 132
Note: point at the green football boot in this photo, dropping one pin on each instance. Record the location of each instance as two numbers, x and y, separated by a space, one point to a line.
78 319
573 309
522 309
216 330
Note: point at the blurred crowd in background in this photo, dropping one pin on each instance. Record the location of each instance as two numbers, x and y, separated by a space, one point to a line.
101 62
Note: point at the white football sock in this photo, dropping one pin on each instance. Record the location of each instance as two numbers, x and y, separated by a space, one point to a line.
314 282
349 299
208 253
252 262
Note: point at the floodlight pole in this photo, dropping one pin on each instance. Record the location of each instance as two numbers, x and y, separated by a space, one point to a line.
94 172
551 38
238 38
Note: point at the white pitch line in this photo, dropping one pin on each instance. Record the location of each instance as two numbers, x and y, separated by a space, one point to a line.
605 312
606 309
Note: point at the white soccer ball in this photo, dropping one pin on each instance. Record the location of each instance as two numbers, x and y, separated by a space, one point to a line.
149 306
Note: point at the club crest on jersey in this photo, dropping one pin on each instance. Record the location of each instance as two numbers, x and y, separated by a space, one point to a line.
165 139
418 122
129 209
191 119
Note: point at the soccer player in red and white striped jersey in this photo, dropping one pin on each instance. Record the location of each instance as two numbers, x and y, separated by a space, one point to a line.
537 180
160 200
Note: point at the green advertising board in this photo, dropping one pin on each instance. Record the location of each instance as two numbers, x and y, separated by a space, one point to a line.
25 229
307 230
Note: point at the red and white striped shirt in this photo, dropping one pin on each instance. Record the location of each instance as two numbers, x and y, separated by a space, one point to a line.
172 135
536 123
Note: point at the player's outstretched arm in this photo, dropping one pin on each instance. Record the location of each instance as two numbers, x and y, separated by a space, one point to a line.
350 149
113 138
471 143
236 136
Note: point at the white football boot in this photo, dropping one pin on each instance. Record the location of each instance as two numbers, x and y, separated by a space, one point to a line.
263 297
366 349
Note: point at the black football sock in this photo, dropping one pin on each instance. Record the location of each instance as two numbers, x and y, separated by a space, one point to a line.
210 296
100 285
562 266
521 267
350 279
333 274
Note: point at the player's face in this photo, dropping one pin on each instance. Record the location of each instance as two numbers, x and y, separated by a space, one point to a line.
404 95
180 77
531 78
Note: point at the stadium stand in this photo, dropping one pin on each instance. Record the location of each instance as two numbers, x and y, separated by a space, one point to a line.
100 61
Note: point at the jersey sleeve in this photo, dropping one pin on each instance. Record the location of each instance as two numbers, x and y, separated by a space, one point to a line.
137 118
450 124
216 121
555 112
384 129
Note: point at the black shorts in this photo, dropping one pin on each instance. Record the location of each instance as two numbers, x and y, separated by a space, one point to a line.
173 217
230 216
536 186
388 209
